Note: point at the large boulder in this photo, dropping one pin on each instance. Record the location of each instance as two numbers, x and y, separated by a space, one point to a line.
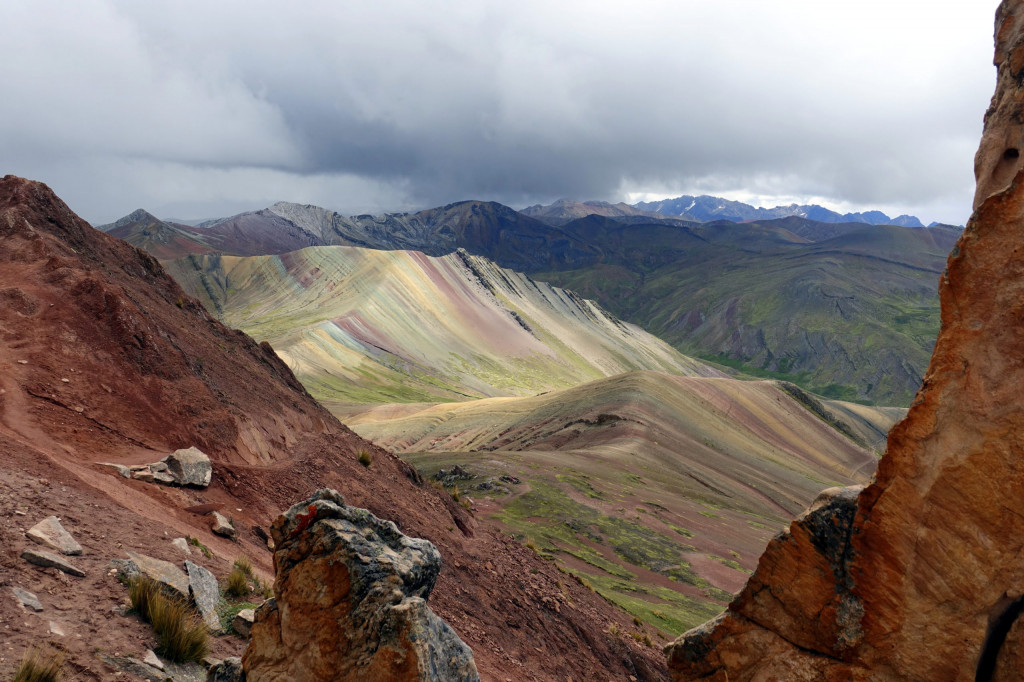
189 467
920 577
350 602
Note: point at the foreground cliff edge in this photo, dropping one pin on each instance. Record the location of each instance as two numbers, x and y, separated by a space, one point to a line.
919 576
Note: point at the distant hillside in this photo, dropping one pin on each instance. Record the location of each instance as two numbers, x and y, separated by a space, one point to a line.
658 490
705 208
847 310
564 211
360 325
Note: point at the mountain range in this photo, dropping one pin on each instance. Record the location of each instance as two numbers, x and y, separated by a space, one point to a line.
844 309
707 208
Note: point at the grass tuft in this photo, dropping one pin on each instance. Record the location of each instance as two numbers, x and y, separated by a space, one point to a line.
237 583
40 666
181 636
365 458
244 564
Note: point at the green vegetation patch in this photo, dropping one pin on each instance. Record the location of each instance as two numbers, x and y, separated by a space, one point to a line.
563 521
661 607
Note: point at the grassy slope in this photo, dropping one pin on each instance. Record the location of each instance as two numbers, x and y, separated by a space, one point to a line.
660 491
851 317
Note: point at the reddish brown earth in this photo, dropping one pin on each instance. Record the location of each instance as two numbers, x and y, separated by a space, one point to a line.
920 576
147 372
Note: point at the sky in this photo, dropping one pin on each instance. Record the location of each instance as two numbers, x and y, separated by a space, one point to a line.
204 109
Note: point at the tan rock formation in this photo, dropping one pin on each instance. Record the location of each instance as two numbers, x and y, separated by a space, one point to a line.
350 603
930 576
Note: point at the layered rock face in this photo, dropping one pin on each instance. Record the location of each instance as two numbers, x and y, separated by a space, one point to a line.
920 577
350 603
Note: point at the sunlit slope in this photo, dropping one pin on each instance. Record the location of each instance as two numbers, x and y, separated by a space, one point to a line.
659 491
747 445
358 325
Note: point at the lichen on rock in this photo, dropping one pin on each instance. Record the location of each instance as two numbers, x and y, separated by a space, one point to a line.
350 602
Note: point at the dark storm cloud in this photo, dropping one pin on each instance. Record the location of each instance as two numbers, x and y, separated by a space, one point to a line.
210 108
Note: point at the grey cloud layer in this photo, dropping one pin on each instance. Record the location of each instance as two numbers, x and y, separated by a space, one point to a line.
214 107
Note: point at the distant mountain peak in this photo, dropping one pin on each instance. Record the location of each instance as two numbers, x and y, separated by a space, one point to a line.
705 208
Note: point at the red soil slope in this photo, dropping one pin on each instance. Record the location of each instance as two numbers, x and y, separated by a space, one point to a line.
104 358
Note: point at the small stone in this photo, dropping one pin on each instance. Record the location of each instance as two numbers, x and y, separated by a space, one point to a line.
229 670
158 466
164 477
56 629
65 380
48 560
22 362
145 475
242 624
181 544
152 659
205 594
222 526
121 469
50 533
27 599
210 662
124 569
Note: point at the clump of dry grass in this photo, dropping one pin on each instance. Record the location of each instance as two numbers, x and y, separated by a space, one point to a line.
237 583
39 665
181 635
244 564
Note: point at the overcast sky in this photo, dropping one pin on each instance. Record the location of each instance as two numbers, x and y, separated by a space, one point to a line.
203 109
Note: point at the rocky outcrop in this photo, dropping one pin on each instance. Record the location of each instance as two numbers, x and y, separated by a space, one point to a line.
350 603
927 581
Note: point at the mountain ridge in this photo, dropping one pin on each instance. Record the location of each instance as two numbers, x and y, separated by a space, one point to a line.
706 208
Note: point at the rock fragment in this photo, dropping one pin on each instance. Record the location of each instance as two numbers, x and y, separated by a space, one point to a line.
164 477
153 660
50 533
205 593
121 469
50 560
181 544
144 475
242 623
163 572
222 526
228 670
27 599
